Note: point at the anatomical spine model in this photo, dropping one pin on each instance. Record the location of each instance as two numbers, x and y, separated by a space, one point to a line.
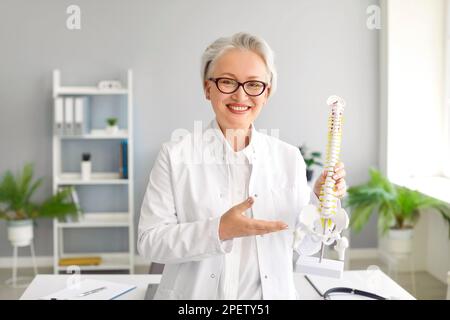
323 225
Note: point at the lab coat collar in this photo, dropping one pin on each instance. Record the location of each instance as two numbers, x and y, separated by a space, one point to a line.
249 151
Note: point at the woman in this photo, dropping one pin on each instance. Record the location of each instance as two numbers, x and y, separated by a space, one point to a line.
221 207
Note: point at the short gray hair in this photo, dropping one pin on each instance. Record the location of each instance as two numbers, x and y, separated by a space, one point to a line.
239 40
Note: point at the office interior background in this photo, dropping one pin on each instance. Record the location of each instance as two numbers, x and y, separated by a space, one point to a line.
388 59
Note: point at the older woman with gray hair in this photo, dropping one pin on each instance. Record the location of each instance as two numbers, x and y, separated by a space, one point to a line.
220 209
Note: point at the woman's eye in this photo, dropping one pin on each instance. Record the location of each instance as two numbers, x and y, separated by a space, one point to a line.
227 82
254 84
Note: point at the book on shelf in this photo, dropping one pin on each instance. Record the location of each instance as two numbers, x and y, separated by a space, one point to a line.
80 261
123 159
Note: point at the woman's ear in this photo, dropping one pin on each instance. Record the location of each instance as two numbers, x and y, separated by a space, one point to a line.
207 89
269 89
266 95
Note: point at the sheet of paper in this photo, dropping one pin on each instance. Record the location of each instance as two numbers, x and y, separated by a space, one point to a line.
91 289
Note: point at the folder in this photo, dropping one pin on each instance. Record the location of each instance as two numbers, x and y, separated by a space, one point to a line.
80 116
91 289
68 116
59 116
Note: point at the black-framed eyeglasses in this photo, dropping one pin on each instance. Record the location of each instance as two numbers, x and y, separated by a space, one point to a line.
252 87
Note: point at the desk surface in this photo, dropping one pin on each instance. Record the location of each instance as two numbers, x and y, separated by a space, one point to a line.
44 284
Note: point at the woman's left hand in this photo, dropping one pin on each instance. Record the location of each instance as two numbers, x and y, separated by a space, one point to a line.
340 185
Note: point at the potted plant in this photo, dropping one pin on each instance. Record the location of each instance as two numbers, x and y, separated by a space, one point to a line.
17 208
398 209
112 127
310 160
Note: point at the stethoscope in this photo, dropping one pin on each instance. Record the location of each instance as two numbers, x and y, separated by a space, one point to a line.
337 290
327 295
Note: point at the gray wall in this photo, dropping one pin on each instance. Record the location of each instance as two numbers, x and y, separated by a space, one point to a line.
322 47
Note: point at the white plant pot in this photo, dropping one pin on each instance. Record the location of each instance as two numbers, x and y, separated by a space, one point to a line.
20 232
86 169
112 129
400 241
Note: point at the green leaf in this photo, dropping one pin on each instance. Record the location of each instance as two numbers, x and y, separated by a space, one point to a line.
360 215
33 188
9 192
386 217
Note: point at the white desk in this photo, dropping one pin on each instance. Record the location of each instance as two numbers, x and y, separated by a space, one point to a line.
44 284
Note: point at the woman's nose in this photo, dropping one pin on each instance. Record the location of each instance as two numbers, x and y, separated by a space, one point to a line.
239 94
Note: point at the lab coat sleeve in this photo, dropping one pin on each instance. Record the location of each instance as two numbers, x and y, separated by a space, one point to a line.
161 238
307 197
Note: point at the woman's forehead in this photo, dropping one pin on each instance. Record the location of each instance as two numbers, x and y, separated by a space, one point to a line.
240 63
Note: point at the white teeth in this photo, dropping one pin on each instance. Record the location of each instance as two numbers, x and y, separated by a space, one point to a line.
238 108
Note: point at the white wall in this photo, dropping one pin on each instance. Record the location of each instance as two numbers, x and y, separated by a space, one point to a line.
415 58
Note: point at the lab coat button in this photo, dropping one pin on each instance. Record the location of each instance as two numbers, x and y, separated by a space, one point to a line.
265 276
213 275
256 195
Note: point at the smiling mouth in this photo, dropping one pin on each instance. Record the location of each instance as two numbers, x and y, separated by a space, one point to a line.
238 108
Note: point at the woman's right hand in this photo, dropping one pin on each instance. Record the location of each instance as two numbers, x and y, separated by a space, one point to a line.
234 223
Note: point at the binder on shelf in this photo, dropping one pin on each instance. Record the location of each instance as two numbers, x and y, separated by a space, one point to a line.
80 116
59 116
68 116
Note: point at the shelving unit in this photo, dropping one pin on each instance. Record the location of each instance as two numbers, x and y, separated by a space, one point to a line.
110 260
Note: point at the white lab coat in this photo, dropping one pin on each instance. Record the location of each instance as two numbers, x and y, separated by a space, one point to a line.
187 193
